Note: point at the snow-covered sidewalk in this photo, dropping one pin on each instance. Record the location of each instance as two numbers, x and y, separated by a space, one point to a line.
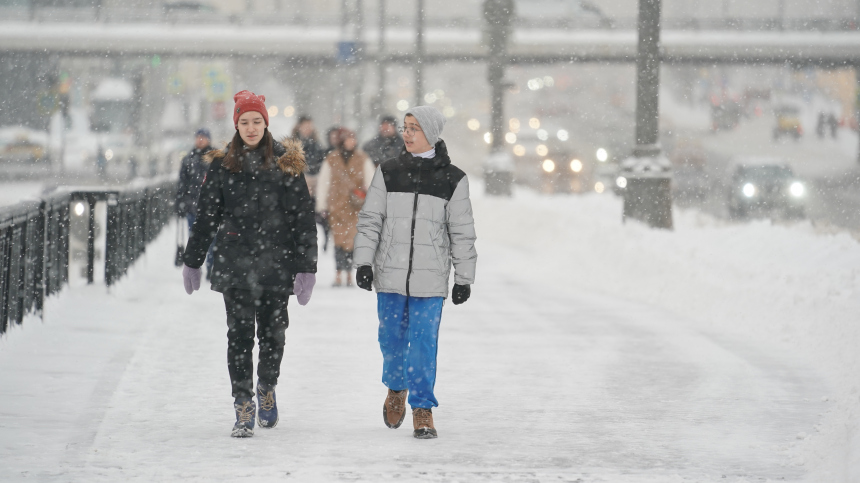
590 351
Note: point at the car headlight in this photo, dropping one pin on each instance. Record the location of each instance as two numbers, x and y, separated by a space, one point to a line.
749 190
621 182
797 189
548 165
576 165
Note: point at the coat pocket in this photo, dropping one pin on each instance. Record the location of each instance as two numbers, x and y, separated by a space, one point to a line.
382 251
442 261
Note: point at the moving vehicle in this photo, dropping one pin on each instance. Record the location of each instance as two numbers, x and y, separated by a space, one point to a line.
725 115
23 146
547 163
115 107
787 122
764 187
24 152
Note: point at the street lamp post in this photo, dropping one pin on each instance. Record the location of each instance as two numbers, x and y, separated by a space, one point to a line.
498 171
857 102
379 99
648 196
419 54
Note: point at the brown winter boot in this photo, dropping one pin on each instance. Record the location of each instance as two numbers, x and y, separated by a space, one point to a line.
422 421
394 409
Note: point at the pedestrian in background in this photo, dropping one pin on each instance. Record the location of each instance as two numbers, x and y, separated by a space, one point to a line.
192 170
342 187
306 133
387 144
833 124
332 137
101 163
255 201
416 222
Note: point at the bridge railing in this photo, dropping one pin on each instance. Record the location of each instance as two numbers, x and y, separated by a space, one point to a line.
35 241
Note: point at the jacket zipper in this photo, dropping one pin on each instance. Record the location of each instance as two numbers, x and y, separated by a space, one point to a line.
412 237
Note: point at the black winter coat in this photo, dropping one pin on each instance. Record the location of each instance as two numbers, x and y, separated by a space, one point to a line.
263 219
314 154
191 174
381 148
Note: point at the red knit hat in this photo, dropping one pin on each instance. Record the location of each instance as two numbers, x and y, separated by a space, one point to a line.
247 101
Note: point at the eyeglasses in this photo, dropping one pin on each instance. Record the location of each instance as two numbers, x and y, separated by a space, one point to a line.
410 130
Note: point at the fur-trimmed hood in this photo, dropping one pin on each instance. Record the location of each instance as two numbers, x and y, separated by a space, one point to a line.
290 153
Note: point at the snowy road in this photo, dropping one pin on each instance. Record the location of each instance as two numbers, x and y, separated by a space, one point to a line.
541 379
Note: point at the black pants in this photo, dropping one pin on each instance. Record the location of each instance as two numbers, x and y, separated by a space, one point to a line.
269 309
342 259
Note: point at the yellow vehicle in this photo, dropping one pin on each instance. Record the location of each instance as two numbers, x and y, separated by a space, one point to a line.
787 122
23 146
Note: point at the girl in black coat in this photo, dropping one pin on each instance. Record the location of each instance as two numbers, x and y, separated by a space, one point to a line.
256 203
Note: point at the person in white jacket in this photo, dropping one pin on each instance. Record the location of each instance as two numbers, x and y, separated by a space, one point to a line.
417 222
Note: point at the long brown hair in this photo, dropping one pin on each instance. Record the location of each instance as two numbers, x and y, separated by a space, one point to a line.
233 160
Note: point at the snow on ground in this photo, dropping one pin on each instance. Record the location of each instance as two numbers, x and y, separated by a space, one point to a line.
590 351
14 193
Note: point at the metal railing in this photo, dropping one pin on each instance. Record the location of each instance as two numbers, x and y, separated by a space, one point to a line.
35 241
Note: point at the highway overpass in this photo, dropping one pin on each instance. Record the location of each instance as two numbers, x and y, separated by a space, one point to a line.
441 45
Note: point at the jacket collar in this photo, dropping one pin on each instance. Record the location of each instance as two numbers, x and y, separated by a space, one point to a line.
440 160
289 153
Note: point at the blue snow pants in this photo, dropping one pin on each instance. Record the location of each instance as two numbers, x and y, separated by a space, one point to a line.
408 336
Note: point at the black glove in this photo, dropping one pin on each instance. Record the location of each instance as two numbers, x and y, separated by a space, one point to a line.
460 293
364 277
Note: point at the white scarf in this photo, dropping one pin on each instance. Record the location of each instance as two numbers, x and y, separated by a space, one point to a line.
426 155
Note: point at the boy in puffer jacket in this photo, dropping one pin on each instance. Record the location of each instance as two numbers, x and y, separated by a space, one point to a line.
416 222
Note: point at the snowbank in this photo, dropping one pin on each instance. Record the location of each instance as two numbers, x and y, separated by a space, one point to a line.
786 284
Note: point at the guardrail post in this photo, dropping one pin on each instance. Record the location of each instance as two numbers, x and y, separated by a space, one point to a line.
111 239
39 280
5 256
91 238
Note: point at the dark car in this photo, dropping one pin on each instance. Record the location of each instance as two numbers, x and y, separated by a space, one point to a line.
766 190
548 164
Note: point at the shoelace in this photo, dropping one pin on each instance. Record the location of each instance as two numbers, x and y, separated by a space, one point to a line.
245 413
397 403
267 400
423 418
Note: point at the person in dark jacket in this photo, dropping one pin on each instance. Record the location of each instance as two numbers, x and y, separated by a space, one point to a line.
332 137
255 201
387 144
305 132
192 170
415 223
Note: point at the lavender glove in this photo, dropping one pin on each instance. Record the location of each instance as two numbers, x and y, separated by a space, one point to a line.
303 287
191 278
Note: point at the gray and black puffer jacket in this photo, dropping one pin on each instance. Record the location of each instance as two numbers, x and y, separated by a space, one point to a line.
417 221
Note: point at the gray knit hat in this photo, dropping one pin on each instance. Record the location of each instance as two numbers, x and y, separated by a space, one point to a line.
431 121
